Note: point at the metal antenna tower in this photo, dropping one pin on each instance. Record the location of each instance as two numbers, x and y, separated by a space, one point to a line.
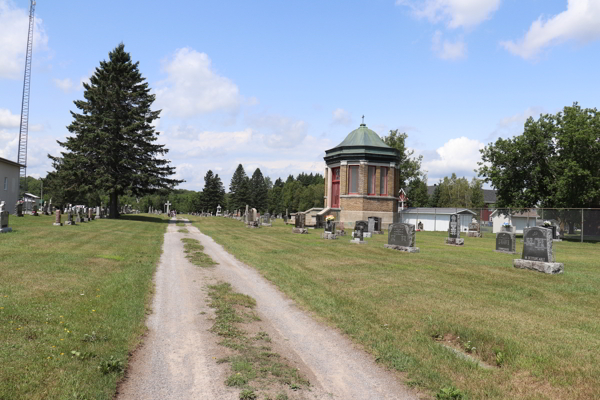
23 132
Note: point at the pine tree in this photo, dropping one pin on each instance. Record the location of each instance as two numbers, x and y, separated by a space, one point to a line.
239 190
213 194
417 193
435 197
258 191
113 148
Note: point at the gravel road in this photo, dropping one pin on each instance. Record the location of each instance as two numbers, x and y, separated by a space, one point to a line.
177 360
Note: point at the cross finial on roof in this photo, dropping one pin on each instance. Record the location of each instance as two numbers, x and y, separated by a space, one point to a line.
363 117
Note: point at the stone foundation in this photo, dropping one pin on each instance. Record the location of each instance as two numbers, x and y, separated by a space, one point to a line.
540 266
57 224
455 242
267 224
6 230
505 252
300 230
402 248
328 235
357 241
474 234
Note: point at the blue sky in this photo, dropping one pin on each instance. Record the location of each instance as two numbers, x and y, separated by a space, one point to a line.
273 84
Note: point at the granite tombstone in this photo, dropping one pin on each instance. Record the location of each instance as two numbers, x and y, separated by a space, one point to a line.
402 237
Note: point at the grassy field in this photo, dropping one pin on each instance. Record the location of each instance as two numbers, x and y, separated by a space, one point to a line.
538 334
73 303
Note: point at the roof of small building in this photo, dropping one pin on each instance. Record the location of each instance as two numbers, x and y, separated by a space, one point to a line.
362 143
437 210
531 213
33 196
489 195
4 160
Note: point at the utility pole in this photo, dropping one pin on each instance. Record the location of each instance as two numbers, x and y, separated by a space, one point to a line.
24 127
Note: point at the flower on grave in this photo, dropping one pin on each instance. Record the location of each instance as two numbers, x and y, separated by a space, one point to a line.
506 224
330 218
547 223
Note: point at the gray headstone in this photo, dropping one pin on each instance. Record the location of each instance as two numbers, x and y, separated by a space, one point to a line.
358 232
537 244
401 234
330 226
454 228
299 220
374 224
505 241
364 225
3 219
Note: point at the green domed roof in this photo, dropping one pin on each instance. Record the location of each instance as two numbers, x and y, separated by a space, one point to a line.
362 144
363 136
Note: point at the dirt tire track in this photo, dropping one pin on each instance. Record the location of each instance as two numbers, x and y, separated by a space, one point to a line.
340 368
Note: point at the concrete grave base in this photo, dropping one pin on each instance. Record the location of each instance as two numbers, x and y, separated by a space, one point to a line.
505 252
70 223
402 248
557 240
455 242
377 232
299 230
541 266
340 233
267 224
6 230
57 224
475 234
357 241
367 234
328 235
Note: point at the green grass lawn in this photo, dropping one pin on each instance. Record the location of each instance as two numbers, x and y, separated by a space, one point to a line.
540 333
81 289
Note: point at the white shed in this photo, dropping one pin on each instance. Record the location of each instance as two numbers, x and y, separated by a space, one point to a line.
436 219
520 220
9 179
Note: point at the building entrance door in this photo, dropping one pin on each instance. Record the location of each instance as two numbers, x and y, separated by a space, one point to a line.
335 187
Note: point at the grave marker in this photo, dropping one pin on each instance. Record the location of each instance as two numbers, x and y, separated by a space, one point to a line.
538 253
505 242
454 232
402 237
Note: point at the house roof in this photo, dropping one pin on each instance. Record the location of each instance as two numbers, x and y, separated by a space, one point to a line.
32 195
4 160
437 210
362 143
531 213
489 195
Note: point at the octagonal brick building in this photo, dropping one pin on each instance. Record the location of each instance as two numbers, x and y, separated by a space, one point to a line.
362 178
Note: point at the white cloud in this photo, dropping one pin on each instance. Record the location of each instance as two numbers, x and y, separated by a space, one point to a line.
279 131
66 85
447 50
341 117
8 119
193 87
456 13
579 22
459 155
14 24
513 125
188 142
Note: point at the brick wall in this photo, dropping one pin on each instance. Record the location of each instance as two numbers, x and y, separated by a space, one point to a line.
367 204
343 179
362 179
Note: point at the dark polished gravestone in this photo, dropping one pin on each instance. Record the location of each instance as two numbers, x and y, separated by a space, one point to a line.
454 232
329 231
4 228
375 225
505 242
402 237
358 233
299 224
538 254
364 225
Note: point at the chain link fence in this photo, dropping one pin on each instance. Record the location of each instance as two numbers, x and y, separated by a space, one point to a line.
572 224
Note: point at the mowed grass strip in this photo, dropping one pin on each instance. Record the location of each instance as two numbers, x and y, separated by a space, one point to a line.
541 333
195 253
73 303
254 366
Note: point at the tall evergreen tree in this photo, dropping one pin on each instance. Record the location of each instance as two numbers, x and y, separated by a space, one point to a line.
258 191
213 194
113 148
417 193
434 200
238 188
